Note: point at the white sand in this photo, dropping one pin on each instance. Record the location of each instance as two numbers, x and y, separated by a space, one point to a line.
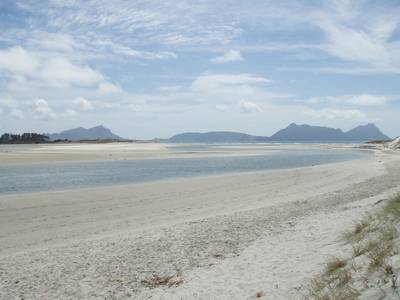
76 152
226 237
395 144
24 154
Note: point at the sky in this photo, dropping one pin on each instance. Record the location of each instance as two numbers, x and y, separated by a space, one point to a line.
155 68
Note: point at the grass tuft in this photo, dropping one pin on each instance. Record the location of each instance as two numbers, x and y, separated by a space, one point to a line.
392 207
389 233
358 232
388 269
378 255
358 250
333 287
335 265
157 281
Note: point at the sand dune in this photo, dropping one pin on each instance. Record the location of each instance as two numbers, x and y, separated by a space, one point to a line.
395 144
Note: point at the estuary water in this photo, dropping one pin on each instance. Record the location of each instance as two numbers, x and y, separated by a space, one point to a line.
45 177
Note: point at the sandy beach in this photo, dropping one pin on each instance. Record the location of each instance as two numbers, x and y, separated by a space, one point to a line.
81 152
220 237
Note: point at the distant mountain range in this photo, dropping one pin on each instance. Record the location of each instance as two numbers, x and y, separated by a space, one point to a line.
80 133
292 133
217 137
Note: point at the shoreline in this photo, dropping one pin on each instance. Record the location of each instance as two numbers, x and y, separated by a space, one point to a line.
81 152
189 186
192 177
215 234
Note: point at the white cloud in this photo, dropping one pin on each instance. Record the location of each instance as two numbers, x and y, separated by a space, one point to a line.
82 104
383 29
70 114
228 88
120 49
360 33
355 45
41 110
158 22
336 114
220 91
170 88
146 54
230 56
135 107
364 71
248 107
368 100
18 61
54 41
61 72
222 107
63 3
352 100
215 81
106 88
50 70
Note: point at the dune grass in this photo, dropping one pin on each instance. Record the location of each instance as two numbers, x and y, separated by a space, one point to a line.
335 265
392 208
374 241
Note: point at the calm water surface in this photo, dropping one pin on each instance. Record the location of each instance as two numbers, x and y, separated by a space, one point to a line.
28 178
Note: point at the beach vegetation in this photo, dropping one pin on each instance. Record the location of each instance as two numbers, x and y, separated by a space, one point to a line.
335 265
155 281
374 262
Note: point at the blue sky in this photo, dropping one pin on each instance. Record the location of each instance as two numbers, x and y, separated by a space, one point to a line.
156 68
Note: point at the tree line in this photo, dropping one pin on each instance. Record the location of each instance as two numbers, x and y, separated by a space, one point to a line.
8 138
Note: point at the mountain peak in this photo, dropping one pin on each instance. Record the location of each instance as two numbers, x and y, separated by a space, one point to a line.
369 131
306 132
368 125
95 133
371 125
